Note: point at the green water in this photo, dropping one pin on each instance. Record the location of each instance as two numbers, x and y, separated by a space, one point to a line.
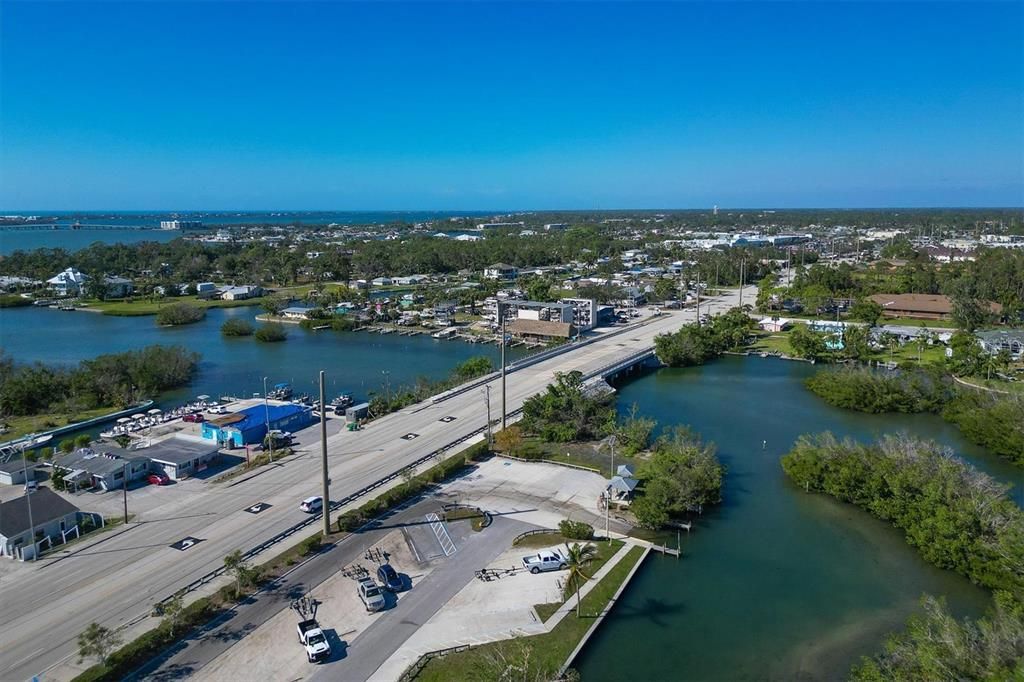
774 584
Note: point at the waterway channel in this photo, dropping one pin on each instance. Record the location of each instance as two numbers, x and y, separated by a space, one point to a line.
774 584
355 361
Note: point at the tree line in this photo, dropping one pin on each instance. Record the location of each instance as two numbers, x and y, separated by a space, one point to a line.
958 519
695 343
114 380
989 419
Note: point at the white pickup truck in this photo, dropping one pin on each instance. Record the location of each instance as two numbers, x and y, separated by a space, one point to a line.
313 638
546 560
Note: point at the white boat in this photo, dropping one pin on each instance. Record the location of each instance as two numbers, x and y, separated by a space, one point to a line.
446 333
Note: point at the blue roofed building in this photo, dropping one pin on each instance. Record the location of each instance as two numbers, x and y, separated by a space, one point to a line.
249 426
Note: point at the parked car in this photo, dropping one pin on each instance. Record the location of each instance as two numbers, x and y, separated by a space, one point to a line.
218 409
194 418
311 505
389 578
370 594
158 479
545 560
313 639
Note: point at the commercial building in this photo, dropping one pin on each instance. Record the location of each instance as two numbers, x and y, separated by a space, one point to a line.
179 456
181 224
249 426
98 468
920 306
540 330
25 530
584 313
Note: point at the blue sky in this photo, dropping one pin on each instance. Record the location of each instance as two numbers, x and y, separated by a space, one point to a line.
205 105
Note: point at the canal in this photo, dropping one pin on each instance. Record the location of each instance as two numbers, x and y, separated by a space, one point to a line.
774 584
355 361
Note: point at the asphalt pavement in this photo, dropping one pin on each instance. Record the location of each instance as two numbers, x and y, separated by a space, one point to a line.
117 581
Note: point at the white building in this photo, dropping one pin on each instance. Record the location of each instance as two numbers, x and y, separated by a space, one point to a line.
68 283
502 271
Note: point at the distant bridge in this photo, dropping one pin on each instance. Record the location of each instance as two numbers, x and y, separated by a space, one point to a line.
76 228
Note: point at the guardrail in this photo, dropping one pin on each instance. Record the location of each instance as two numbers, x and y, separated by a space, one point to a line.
335 505
413 671
535 531
532 360
550 461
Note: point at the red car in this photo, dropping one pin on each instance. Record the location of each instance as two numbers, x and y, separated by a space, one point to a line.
158 479
196 418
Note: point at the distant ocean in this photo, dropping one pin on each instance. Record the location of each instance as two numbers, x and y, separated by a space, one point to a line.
63 236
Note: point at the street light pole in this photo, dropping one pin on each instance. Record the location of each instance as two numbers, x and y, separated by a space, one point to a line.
487 399
387 387
32 441
266 416
124 488
323 459
504 411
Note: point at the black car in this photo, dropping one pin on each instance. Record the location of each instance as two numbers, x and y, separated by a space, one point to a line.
389 578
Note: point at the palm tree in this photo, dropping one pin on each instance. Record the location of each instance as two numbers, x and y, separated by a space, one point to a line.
577 557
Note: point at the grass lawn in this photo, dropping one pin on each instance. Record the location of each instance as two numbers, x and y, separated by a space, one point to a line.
547 652
44 422
138 307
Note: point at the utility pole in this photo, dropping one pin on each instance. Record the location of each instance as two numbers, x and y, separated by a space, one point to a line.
124 488
743 265
698 298
504 411
487 399
323 459
28 495
608 498
266 416
387 386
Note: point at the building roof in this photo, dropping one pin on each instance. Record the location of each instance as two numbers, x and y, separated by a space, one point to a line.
259 415
15 465
1001 335
98 463
177 450
540 328
623 484
921 303
47 506
501 266
296 310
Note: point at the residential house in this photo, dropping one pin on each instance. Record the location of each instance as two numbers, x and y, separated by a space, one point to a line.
70 282
444 313
382 281
774 324
118 287
501 271
241 293
1010 340
34 522
296 313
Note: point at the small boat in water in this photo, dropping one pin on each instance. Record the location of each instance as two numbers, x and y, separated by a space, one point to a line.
282 391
